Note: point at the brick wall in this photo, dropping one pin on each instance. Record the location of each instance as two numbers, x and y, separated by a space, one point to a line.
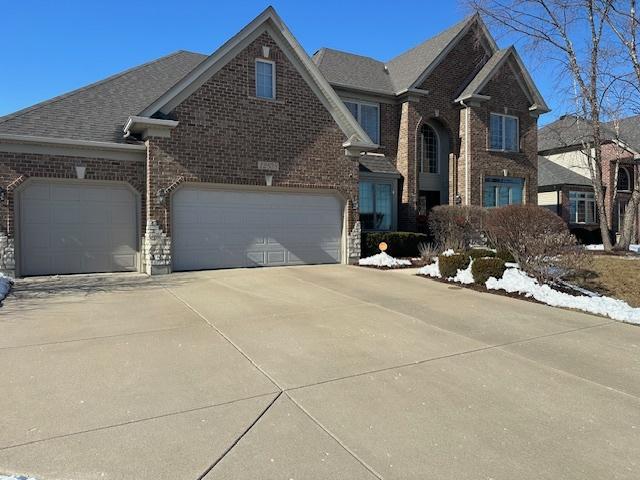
16 168
224 130
506 97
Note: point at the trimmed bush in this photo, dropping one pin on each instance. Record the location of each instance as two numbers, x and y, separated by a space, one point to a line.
476 253
401 244
538 239
457 227
449 265
483 268
505 255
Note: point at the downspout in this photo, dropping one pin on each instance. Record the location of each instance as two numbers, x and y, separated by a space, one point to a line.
466 152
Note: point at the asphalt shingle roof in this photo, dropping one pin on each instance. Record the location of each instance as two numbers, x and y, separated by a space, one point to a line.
351 70
568 131
550 173
98 111
376 164
347 69
628 130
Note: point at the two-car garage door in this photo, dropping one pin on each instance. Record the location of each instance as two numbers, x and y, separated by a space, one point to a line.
214 228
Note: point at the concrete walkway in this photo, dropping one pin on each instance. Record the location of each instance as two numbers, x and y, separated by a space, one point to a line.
328 372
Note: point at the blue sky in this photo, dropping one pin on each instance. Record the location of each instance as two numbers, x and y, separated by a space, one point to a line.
57 46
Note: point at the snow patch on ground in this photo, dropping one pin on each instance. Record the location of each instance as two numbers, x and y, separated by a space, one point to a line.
432 270
463 276
448 253
382 259
5 286
516 281
632 248
19 477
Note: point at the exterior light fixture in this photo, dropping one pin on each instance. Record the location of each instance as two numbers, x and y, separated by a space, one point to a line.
268 180
3 194
80 170
161 196
458 199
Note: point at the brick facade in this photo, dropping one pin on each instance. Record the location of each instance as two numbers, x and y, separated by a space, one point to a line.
224 131
437 106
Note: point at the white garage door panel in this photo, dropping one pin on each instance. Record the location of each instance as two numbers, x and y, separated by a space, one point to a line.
222 229
77 227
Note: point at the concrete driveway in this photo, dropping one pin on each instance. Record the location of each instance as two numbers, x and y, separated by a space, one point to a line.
328 372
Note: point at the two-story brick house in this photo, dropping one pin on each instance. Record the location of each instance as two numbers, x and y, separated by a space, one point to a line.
261 155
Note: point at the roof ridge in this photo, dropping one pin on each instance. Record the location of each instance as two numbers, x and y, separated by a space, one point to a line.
84 88
324 49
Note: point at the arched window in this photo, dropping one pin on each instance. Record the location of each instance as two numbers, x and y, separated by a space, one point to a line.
624 180
430 150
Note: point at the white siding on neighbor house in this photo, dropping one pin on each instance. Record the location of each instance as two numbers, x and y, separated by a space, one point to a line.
548 200
576 161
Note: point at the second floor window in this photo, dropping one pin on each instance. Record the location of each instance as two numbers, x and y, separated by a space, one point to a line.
265 79
503 133
368 116
624 179
430 148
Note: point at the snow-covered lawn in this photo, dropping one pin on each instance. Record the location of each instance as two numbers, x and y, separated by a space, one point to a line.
632 248
5 286
515 280
383 259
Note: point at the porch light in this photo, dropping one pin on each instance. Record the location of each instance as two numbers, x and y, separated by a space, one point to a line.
80 171
268 180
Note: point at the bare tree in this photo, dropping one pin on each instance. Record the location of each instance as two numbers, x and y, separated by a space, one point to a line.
570 33
621 17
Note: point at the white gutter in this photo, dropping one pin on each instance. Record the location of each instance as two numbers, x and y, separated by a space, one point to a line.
466 152
68 142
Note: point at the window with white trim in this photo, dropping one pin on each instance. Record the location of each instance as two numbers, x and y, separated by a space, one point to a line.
582 207
624 179
368 116
265 79
502 191
429 163
504 132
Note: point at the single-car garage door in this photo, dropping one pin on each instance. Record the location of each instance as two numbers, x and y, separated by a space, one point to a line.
215 228
76 226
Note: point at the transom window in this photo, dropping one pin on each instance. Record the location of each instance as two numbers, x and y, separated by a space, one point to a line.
430 150
624 179
502 191
582 207
376 206
503 133
265 79
368 116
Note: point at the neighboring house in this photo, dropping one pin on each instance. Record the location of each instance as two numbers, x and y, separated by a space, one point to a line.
564 176
261 155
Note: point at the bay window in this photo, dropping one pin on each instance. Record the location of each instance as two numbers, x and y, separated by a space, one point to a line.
582 207
503 133
368 116
376 205
502 191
